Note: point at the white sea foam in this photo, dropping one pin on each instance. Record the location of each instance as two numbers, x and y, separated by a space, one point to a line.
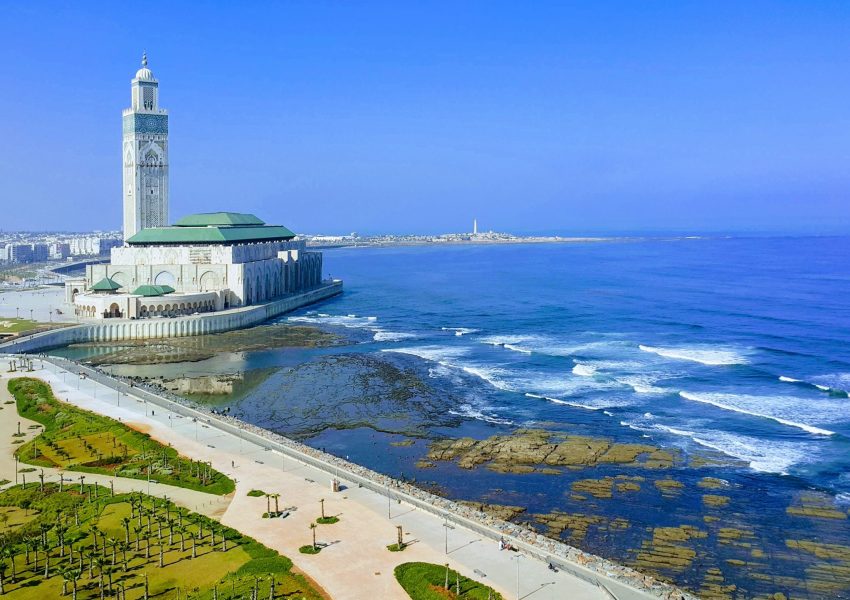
392 336
351 321
641 384
705 356
789 379
469 411
460 331
767 456
786 410
583 370
541 344
559 401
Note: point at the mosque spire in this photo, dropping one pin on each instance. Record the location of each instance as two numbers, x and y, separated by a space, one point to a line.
144 58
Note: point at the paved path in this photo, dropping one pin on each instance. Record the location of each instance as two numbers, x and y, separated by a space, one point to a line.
355 564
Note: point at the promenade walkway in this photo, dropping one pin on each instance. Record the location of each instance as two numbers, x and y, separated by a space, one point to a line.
355 563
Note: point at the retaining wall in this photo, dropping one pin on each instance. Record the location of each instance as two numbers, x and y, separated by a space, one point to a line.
126 329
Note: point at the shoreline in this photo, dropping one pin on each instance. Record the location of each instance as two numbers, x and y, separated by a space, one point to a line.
589 568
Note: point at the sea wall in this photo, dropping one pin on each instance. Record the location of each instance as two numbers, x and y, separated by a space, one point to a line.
124 329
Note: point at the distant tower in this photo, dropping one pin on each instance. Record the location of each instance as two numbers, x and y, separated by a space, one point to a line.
145 154
474 226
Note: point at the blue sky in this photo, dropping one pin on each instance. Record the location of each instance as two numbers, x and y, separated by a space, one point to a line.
418 116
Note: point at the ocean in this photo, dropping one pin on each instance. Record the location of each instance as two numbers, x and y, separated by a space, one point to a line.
732 353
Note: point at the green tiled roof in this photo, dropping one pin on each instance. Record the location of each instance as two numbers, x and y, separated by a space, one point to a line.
224 219
106 285
210 234
153 290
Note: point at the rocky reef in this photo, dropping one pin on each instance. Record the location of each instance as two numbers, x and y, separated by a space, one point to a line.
532 450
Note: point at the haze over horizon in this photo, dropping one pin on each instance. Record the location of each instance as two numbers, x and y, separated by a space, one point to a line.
377 117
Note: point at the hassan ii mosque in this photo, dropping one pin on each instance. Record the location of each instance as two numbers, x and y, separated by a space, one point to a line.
203 263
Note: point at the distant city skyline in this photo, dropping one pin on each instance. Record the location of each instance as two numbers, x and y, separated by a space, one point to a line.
381 118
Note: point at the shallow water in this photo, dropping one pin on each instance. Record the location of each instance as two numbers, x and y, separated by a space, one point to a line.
732 350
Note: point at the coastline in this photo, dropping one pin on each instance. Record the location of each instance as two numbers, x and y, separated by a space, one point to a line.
582 566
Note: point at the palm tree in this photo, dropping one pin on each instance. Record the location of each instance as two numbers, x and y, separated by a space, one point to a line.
138 531
112 542
74 575
276 507
3 568
313 529
99 563
10 551
171 524
124 546
126 522
66 577
268 505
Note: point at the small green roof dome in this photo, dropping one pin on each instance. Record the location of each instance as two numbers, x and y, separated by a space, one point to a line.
106 285
153 290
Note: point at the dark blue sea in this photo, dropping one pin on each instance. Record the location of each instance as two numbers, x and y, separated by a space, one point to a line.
737 345
733 353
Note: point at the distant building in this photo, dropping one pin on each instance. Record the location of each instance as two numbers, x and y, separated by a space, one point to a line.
40 252
19 253
60 250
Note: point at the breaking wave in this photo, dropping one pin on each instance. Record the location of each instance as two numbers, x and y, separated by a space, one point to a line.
834 385
766 456
711 357
460 331
379 334
786 410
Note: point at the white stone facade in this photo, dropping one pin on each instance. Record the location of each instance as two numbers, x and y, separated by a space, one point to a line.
145 156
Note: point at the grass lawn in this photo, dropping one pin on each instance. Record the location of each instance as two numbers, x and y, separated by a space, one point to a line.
125 537
426 581
9 325
80 440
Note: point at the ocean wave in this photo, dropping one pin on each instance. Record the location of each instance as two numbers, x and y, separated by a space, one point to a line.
470 412
392 336
786 410
583 370
447 357
705 356
460 331
565 402
351 321
766 456
641 384
548 385
541 344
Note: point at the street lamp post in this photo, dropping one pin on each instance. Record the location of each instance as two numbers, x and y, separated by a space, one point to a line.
446 526
517 557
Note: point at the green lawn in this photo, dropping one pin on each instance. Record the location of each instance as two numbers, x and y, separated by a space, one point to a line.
80 440
8 325
127 538
426 581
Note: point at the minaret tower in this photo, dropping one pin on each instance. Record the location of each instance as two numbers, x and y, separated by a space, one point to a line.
145 155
